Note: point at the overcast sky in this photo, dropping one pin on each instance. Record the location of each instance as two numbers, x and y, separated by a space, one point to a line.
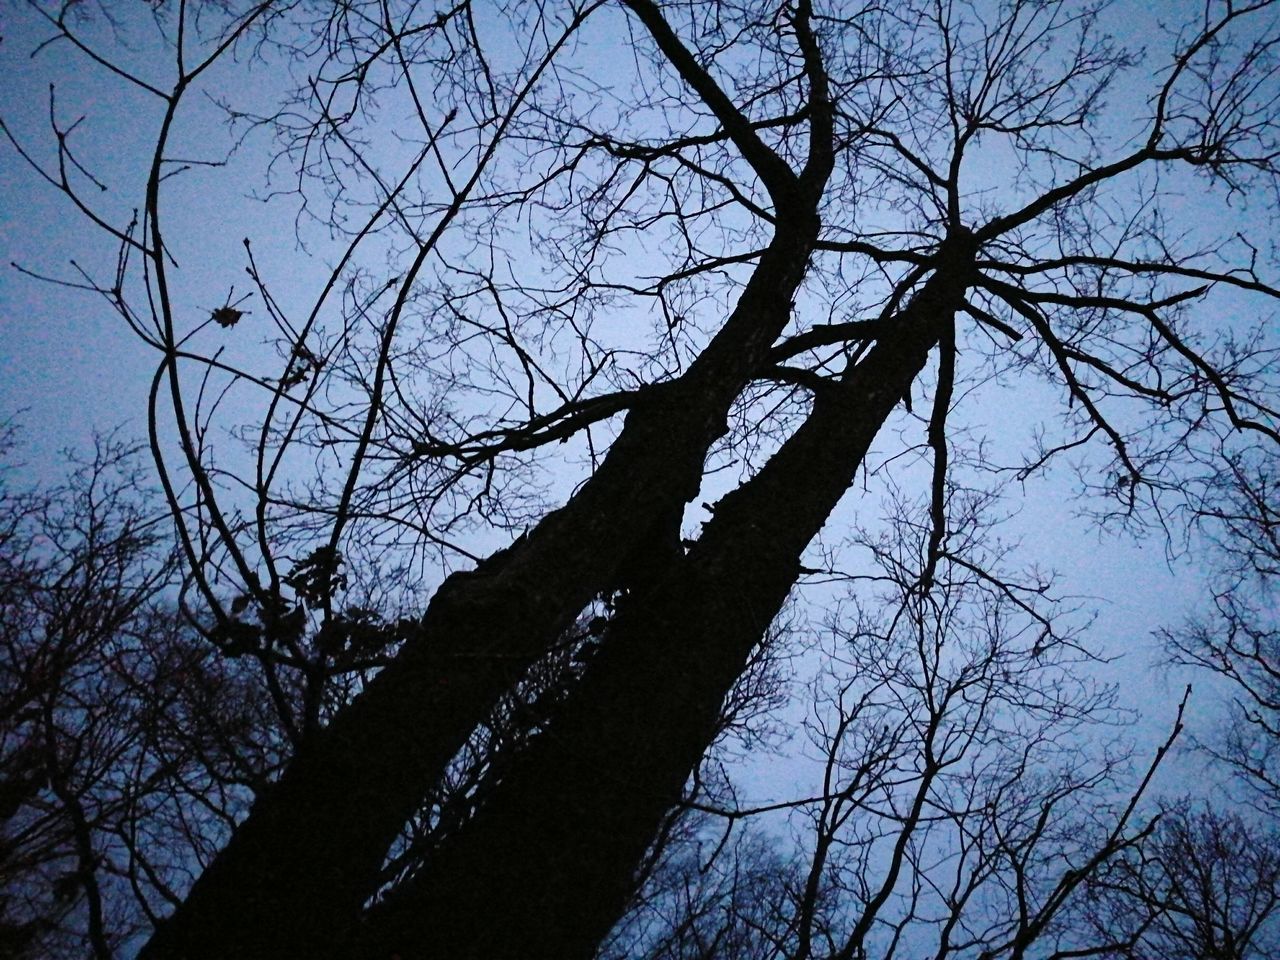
71 367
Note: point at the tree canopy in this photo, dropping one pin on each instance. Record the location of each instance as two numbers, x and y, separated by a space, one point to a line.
506 493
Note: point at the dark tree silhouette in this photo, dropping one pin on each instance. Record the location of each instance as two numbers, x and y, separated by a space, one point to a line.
1239 639
1206 887
962 809
748 246
128 746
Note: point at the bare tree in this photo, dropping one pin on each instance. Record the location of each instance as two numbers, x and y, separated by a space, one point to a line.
129 748
790 202
1207 886
964 808
710 899
1239 639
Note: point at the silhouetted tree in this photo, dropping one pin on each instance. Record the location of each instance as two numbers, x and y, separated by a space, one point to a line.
964 807
1206 888
128 746
747 247
1239 639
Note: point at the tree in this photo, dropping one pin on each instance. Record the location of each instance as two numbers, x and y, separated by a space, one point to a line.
1239 640
1206 888
128 747
752 175
964 808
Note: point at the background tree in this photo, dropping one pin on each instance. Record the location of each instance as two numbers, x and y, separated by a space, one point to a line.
129 747
1207 886
1238 639
794 205
964 807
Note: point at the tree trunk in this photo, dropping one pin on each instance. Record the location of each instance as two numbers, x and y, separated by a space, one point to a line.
297 871
547 865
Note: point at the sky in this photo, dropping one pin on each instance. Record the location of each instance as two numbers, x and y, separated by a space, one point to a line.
70 367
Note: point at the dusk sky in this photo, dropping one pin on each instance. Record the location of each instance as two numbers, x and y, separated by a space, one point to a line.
512 316
72 367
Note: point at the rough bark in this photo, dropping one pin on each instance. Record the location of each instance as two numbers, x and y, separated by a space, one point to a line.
547 866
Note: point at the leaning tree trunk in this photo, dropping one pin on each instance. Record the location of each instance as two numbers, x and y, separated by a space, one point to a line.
295 875
297 871
548 864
